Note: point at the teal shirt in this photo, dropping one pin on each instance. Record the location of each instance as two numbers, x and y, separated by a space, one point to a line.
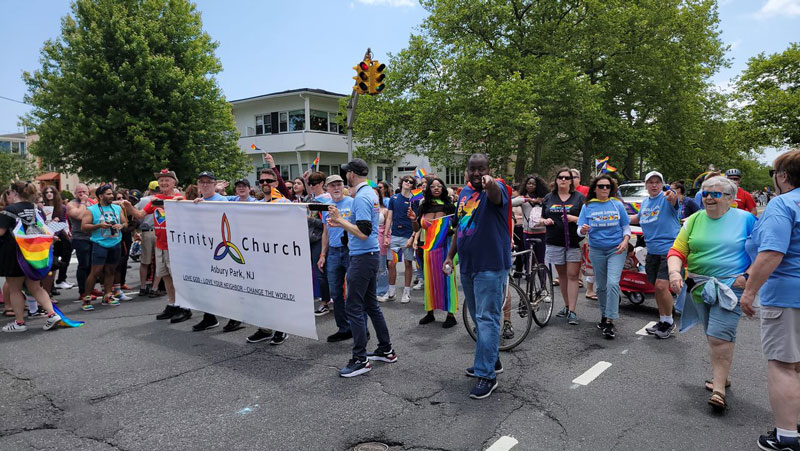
111 214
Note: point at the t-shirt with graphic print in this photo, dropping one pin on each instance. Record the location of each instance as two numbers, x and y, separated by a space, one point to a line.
553 208
109 214
660 223
609 222
484 238
160 219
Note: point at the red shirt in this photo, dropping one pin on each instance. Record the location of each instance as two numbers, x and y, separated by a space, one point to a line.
583 189
744 201
160 219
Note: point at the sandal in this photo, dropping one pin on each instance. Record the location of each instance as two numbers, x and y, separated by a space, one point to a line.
710 384
555 282
717 401
8 313
592 297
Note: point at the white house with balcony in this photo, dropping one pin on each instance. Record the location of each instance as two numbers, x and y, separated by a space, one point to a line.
297 125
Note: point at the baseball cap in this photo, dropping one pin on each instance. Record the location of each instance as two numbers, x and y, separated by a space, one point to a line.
153 185
242 182
357 166
333 178
208 174
654 174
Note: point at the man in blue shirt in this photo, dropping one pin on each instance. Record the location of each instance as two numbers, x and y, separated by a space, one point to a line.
660 219
336 255
242 188
105 222
401 240
362 231
483 243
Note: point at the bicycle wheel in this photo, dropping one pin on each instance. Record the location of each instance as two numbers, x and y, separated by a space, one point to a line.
516 319
541 294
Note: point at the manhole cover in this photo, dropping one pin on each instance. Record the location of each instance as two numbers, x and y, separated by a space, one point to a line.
371 446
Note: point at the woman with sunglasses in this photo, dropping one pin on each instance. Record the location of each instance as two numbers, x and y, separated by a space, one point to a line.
605 220
560 210
711 245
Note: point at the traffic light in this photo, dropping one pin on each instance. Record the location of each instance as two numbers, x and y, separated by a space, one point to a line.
362 77
376 77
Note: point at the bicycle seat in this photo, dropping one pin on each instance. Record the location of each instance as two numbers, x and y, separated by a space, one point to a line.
535 240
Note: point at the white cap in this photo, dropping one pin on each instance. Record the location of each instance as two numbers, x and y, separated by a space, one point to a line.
653 174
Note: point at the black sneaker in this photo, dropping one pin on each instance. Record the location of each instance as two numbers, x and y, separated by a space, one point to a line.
508 331
770 442
483 388
40 312
260 335
182 315
169 311
232 326
355 367
322 310
428 318
498 368
652 329
449 322
278 338
340 336
609 331
602 324
384 356
143 292
209 322
665 331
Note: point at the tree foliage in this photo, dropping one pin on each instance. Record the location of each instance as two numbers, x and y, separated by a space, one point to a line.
128 89
16 167
536 84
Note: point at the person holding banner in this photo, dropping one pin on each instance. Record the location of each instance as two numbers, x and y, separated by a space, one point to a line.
436 218
167 181
336 255
362 231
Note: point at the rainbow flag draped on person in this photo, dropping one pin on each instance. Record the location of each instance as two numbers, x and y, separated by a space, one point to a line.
35 255
417 195
441 291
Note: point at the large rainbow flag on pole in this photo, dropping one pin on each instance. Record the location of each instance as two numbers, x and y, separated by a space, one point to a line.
441 291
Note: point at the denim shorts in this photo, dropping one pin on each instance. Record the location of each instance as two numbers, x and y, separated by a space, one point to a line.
717 321
398 244
105 255
559 255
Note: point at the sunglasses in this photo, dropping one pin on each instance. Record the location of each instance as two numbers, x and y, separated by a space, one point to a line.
561 177
603 186
263 181
713 194
772 172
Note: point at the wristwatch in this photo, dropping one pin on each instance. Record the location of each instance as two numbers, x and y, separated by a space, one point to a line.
746 276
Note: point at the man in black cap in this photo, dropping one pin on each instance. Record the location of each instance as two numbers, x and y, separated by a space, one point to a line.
362 231
242 188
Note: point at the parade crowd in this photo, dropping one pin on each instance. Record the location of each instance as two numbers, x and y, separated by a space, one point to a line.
707 256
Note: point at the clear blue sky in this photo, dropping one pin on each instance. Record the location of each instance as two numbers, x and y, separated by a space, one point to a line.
268 46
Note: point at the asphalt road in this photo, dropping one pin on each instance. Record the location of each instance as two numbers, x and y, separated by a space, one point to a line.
126 381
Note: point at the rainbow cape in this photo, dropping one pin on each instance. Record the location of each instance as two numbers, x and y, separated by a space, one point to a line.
436 233
35 246
417 195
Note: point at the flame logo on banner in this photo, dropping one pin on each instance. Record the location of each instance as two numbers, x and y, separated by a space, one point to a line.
226 247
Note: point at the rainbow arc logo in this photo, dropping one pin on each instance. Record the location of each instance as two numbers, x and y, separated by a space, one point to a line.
226 247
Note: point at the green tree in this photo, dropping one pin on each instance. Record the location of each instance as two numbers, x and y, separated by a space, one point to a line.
16 167
769 90
127 89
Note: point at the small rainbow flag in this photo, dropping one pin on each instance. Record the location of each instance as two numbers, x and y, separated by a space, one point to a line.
419 173
254 147
608 168
396 257
372 184
436 233
600 163
417 195
315 164
633 207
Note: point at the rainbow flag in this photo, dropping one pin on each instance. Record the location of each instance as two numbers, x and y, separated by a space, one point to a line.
608 168
417 195
372 184
254 147
599 163
396 257
35 255
419 173
66 322
436 233
315 164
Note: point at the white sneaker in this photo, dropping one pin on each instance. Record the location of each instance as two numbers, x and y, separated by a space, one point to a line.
121 296
386 297
420 285
51 322
14 327
64 285
406 298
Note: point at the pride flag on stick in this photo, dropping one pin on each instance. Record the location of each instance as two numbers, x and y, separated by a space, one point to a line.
419 173
417 195
315 164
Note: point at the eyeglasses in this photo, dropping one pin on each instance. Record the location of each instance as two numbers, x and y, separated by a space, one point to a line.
561 177
772 172
603 186
263 181
713 194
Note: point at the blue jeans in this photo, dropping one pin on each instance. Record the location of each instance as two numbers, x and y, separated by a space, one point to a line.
361 298
320 278
83 251
483 294
607 266
383 276
337 261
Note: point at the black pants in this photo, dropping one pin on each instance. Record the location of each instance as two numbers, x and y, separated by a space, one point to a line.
122 267
62 251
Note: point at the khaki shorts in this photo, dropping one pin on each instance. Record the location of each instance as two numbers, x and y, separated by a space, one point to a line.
162 263
148 247
780 333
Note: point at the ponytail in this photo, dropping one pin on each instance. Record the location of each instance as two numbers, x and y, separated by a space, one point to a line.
25 190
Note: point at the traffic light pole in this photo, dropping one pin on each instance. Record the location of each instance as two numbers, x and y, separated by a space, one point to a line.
351 112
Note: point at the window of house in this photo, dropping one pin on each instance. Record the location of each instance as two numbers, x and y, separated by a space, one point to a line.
333 125
454 176
5 146
319 121
263 124
15 147
297 120
406 168
283 121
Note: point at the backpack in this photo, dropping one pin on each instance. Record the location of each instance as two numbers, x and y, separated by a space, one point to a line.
34 244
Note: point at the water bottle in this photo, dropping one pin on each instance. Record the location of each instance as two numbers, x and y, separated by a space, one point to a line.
447 269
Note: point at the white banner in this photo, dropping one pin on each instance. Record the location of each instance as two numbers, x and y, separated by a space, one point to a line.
248 261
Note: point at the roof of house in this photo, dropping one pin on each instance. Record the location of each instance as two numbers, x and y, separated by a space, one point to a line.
289 92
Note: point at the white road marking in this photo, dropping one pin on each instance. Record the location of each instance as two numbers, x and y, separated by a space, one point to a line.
592 373
504 443
642 331
624 351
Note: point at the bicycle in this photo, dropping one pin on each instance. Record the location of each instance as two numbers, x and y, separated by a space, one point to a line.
535 303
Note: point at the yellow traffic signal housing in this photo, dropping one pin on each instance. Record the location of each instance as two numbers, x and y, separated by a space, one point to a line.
362 77
376 77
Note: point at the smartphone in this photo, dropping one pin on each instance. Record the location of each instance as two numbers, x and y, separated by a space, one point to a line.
318 207
157 202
